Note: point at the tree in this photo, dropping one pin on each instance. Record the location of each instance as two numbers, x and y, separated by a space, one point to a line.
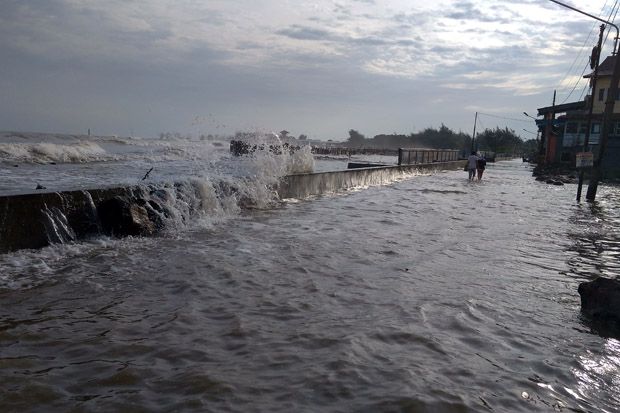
356 138
499 140
284 134
302 137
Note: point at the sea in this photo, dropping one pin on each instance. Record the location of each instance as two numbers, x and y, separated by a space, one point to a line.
428 294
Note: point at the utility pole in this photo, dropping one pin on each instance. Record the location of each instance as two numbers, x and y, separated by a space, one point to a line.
594 61
546 135
473 136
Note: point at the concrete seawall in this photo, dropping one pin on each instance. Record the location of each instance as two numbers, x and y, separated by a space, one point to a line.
39 219
304 185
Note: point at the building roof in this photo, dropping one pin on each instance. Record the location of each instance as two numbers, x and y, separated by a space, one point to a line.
563 107
606 68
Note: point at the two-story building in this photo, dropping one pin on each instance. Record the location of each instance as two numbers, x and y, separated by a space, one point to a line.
564 126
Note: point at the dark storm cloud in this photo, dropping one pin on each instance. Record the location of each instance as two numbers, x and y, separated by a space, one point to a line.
467 10
55 31
312 34
306 33
65 67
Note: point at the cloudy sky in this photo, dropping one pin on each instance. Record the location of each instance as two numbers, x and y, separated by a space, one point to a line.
320 68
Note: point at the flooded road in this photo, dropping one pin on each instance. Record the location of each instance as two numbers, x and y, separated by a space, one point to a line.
431 294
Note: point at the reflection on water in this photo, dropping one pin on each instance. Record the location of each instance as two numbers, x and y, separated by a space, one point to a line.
594 229
432 294
598 373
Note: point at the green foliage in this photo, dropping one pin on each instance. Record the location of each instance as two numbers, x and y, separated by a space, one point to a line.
496 140
499 141
442 138
530 147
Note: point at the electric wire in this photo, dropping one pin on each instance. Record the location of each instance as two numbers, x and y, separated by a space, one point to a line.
614 11
577 82
587 85
580 78
611 20
504 117
570 69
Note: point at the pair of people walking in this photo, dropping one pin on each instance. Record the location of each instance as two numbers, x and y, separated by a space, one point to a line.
475 164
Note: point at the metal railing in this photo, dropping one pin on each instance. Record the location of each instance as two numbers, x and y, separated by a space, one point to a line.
417 156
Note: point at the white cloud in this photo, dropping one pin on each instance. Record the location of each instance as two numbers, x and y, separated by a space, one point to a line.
243 51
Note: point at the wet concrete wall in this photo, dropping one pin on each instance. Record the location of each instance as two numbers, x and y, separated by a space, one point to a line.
40 219
304 185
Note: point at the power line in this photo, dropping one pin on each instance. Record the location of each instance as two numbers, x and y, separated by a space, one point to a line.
610 19
504 117
585 87
570 69
614 7
579 79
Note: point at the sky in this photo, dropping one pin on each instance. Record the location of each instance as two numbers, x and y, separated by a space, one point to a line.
319 68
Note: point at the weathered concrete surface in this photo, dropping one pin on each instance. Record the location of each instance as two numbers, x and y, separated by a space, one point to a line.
35 220
39 219
358 165
305 185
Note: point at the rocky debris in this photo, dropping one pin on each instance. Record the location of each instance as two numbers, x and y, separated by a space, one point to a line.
600 299
555 174
120 216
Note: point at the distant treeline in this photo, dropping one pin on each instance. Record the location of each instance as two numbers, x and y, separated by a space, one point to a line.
496 140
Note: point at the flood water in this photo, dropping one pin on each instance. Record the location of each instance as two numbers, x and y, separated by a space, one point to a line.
432 294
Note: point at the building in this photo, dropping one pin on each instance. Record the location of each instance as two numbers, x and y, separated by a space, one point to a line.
563 127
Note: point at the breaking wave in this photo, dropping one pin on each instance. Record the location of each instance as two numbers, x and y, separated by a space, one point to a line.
79 152
41 148
207 185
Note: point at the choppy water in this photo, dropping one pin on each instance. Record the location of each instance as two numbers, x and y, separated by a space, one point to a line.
68 162
429 295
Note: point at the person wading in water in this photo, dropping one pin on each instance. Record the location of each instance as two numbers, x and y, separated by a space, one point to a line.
471 165
481 163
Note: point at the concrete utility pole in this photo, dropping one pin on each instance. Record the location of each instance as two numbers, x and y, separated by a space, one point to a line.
595 61
473 136
546 135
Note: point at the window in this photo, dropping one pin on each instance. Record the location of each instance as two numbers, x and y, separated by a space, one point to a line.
572 127
583 127
596 128
601 94
617 128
